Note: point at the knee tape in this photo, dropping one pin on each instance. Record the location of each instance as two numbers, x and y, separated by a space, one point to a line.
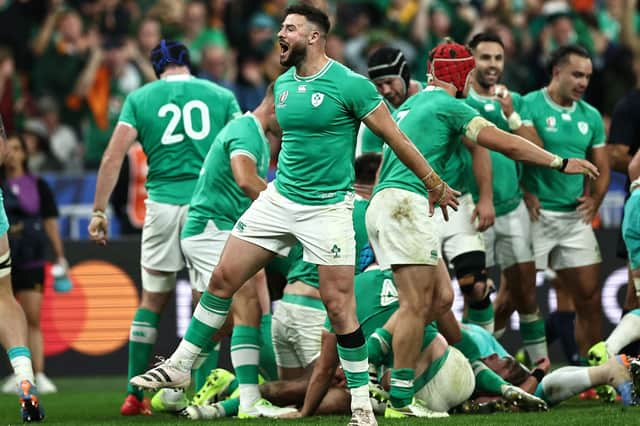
158 283
5 264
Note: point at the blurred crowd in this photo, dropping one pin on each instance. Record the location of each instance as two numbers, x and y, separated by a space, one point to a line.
66 66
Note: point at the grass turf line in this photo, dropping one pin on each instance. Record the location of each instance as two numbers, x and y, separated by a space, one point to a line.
96 401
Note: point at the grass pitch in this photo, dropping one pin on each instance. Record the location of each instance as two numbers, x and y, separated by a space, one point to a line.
96 401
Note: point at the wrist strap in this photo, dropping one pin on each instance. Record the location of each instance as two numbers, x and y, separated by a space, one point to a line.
538 373
99 213
565 161
431 181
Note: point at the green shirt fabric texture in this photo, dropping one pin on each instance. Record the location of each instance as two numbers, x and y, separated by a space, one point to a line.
177 119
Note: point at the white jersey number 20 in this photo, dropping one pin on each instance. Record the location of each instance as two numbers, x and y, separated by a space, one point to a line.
169 137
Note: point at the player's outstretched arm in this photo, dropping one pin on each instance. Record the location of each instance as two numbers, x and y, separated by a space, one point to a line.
123 137
520 149
246 176
381 123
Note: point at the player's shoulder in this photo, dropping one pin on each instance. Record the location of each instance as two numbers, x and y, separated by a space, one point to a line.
534 96
589 110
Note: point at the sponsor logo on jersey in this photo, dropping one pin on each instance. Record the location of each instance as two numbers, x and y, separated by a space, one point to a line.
283 97
302 88
566 117
489 107
316 99
583 126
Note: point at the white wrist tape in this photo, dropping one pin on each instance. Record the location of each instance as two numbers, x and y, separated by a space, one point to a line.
514 121
556 163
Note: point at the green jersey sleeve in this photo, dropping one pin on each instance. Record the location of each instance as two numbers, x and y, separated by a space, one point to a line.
360 96
128 112
599 137
460 115
245 143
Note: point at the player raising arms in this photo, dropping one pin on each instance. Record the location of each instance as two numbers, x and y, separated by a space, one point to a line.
319 105
176 119
402 236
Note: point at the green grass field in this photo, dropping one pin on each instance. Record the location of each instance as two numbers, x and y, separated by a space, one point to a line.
96 401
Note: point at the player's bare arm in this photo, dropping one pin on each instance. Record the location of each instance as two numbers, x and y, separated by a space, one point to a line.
246 176
520 149
589 204
484 211
323 372
634 167
123 137
381 123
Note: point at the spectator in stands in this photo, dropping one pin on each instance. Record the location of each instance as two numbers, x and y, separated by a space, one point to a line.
261 35
251 83
32 212
36 138
215 66
196 34
104 83
12 99
63 141
60 48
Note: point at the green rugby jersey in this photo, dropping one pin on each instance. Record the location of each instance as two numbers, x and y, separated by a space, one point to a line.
177 119
506 188
434 121
217 196
568 132
320 116
369 141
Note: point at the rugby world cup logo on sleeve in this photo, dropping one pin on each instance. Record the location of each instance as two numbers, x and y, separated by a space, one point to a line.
283 98
316 99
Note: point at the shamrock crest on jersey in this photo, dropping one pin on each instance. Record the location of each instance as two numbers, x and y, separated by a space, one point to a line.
316 99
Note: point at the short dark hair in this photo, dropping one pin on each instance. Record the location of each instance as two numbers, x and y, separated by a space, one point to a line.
312 14
560 56
485 37
366 167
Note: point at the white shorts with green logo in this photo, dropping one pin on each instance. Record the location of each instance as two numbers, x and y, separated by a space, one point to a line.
400 229
509 241
296 329
202 254
160 246
452 384
562 240
275 223
459 235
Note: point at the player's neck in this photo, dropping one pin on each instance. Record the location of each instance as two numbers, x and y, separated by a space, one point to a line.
447 87
481 90
175 70
554 94
312 64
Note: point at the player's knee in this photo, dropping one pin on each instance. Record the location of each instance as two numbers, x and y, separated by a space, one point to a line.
222 282
472 277
443 302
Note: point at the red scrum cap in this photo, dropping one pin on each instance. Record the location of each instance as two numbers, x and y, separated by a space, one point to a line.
451 63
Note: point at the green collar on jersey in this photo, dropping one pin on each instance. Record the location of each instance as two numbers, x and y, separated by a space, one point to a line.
554 105
317 75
